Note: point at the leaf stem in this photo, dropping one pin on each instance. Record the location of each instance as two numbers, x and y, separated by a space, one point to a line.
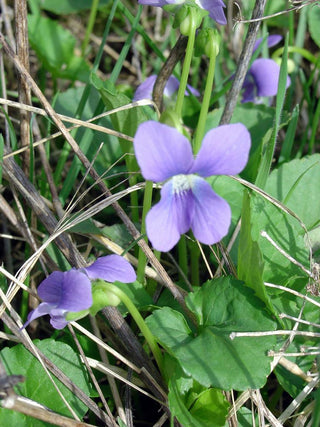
92 18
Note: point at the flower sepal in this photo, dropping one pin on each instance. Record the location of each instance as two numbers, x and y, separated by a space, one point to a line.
207 42
189 17
102 297
170 118
76 315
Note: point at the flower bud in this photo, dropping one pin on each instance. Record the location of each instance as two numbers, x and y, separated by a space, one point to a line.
290 64
207 42
102 297
169 117
189 18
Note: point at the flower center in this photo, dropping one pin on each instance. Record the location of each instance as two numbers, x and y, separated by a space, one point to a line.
182 183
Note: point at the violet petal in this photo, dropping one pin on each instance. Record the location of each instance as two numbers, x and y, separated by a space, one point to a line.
111 268
250 89
144 90
215 9
159 3
224 151
272 40
192 90
161 151
50 289
265 73
171 87
76 291
169 218
212 214
42 309
57 318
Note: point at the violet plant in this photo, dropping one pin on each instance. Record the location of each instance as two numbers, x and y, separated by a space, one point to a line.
216 308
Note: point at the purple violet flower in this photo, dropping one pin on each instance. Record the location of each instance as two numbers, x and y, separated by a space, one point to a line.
144 91
263 76
187 200
70 291
214 7
272 40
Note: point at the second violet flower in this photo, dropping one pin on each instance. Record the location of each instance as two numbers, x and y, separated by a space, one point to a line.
214 7
70 292
187 200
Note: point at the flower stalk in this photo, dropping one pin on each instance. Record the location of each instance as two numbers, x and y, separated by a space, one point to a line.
191 33
211 49
142 259
139 321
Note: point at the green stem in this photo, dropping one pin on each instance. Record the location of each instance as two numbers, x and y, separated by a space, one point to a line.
315 124
147 200
206 101
140 322
303 52
92 18
186 67
195 271
183 255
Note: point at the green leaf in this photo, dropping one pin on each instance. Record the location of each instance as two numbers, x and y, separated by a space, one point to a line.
126 121
38 387
191 403
245 418
137 293
313 23
287 145
286 232
272 8
296 184
232 191
118 233
289 381
258 119
222 306
170 328
209 409
63 7
85 227
270 143
55 46
89 140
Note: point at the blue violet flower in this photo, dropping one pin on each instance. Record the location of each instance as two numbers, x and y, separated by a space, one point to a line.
214 7
70 291
145 89
263 76
187 200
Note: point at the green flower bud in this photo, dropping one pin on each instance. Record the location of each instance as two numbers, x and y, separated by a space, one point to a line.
290 64
169 117
207 42
189 17
102 297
